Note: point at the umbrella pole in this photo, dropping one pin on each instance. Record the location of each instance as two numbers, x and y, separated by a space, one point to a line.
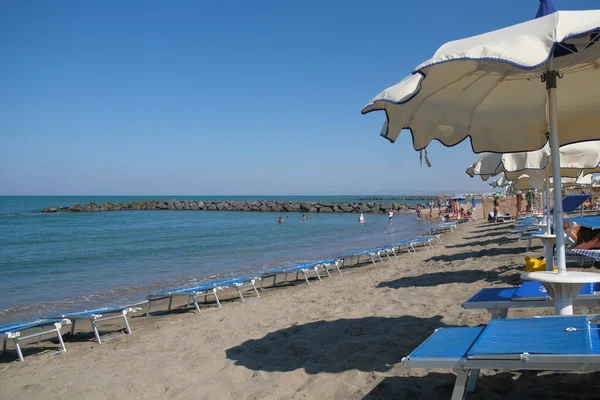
547 210
550 78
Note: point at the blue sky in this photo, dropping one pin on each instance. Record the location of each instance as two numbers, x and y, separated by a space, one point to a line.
223 97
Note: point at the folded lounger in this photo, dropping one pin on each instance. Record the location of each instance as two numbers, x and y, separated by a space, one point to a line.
97 315
15 332
563 343
531 294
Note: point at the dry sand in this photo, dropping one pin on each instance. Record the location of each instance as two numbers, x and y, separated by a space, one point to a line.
338 339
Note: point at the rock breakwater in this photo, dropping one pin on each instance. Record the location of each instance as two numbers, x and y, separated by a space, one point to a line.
254 205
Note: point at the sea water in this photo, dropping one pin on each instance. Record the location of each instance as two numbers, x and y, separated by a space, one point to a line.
66 261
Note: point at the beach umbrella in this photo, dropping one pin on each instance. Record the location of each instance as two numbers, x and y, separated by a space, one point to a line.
508 90
500 182
459 198
574 159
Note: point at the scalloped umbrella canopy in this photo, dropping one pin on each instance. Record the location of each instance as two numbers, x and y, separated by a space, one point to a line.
574 159
488 88
536 181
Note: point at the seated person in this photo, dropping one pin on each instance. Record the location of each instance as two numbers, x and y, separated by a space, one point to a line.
585 238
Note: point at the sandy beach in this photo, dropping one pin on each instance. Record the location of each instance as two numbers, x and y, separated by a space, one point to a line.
342 338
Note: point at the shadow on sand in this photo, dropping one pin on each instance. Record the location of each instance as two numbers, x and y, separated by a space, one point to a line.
505 274
477 254
365 344
526 385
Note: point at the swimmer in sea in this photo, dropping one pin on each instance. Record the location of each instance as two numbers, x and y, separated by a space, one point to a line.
280 220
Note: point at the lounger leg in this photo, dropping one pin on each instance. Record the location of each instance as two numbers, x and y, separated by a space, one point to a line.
528 245
170 303
60 339
372 259
305 278
95 328
388 256
217 299
240 293
39 338
148 309
197 306
19 352
254 287
317 272
498 313
338 268
460 386
73 327
3 346
472 381
379 255
327 272
127 324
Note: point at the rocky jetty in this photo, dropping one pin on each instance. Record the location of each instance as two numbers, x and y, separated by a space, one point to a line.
255 205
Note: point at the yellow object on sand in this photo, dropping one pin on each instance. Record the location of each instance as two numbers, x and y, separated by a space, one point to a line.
533 264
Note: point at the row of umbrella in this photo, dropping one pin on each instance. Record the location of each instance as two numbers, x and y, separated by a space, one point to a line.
513 90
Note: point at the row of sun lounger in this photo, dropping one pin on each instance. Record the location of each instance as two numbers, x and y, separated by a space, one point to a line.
202 293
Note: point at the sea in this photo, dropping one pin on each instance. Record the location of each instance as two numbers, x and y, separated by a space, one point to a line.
70 261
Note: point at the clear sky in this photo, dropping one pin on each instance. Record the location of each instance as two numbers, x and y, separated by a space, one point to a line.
223 97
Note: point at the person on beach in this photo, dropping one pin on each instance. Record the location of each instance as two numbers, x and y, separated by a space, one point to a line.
418 211
361 219
519 201
280 220
473 204
528 206
496 208
391 215
431 209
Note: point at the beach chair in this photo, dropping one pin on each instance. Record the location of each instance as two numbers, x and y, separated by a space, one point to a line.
497 301
238 284
572 202
426 241
305 269
501 217
330 265
561 343
95 316
192 294
16 333
529 237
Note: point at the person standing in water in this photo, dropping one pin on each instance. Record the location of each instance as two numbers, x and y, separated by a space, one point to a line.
280 220
361 218
391 215
418 211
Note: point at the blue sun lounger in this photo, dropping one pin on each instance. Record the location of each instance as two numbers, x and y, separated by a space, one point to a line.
572 202
192 294
97 315
497 301
15 333
550 343
305 269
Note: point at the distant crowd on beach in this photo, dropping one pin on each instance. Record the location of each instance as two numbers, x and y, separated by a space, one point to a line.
450 209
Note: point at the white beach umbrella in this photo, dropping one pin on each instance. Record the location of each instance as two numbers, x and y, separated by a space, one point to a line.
500 89
574 159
